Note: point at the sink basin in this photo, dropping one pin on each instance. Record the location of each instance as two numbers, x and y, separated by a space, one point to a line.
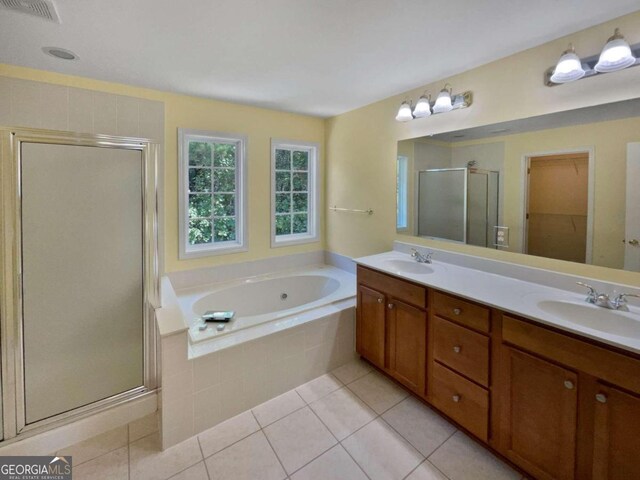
408 266
615 322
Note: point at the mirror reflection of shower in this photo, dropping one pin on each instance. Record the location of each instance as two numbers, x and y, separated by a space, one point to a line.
458 204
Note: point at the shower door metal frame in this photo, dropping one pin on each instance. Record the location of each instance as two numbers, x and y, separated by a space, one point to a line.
11 320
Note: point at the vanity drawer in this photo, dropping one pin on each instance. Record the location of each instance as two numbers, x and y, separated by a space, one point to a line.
460 311
462 400
461 349
393 287
617 368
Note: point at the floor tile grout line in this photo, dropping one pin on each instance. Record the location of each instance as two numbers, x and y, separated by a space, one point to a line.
360 428
440 446
338 440
206 469
426 460
231 444
271 423
402 437
436 467
273 449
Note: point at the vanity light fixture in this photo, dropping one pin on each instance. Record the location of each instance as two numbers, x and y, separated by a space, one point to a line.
445 102
569 67
423 106
404 114
616 55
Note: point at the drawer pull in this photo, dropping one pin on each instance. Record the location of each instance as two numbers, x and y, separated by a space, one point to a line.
456 398
457 311
391 306
457 349
380 300
601 397
568 384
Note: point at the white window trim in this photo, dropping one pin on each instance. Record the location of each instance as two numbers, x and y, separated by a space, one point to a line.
313 235
188 251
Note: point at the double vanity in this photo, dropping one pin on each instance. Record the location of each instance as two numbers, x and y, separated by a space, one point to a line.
536 373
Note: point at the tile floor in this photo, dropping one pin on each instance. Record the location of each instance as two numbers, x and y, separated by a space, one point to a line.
352 424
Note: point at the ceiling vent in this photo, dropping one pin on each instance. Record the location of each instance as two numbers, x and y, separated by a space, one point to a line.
38 8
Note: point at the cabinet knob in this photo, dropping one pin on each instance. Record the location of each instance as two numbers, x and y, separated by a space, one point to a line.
456 398
457 349
601 397
568 384
380 300
457 311
391 306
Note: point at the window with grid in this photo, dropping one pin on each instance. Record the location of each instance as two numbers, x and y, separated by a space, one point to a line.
212 210
295 216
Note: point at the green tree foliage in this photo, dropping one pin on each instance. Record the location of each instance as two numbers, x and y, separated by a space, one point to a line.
212 214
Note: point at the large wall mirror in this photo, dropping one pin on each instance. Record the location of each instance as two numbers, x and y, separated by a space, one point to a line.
564 185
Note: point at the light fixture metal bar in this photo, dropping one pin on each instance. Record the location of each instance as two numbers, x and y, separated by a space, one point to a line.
458 102
588 64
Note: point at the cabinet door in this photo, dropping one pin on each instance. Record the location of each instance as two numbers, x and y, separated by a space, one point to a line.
539 413
616 452
407 344
370 326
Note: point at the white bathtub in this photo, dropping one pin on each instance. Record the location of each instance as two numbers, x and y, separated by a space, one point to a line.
265 304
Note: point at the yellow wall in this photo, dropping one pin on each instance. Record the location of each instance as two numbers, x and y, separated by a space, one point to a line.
362 144
258 124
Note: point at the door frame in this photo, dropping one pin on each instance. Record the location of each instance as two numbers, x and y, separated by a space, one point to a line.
13 415
525 163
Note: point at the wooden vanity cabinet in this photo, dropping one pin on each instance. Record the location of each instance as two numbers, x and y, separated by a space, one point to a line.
557 405
391 327
371 325
616 448
540 409
568 408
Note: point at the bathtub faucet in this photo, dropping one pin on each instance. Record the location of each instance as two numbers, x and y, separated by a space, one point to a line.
420 258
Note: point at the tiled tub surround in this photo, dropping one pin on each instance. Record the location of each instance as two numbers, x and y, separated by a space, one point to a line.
508 287
207 383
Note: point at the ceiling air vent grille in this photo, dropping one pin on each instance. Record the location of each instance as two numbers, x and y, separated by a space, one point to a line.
38 8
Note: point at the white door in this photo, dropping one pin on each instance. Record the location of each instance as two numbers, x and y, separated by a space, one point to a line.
632 217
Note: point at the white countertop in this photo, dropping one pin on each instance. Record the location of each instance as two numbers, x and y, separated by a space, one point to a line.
515 296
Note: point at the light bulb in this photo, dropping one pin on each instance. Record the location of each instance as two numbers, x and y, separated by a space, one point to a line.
404 113
423 107
615 55
443 102
569 67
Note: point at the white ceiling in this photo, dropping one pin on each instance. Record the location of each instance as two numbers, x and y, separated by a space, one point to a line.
318 57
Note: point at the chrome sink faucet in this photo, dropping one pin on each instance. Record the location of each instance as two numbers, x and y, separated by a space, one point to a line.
420 258
603 300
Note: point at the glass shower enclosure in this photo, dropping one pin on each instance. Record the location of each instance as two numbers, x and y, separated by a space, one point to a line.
80 263
458 204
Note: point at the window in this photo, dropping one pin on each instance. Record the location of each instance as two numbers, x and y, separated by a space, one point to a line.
212 193
401 192
294 200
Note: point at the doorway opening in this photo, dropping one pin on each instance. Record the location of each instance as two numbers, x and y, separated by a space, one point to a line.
558 219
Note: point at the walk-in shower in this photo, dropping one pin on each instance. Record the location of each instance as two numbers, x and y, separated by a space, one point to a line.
80 275
459 204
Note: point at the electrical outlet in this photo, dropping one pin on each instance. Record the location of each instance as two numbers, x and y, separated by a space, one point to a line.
501 236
